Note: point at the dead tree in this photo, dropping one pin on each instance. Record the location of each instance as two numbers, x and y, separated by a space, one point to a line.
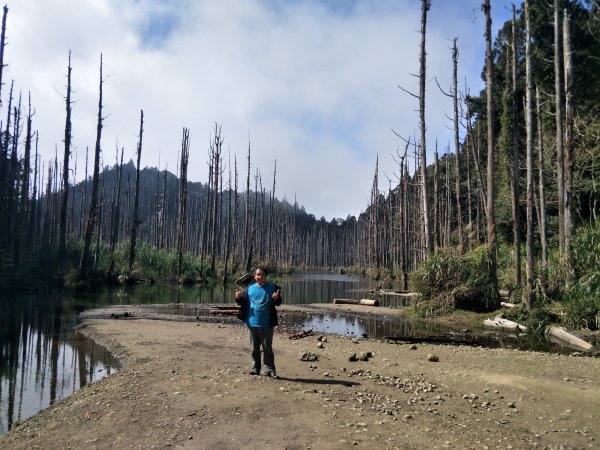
569 153
93 210
457 161
65 184
491 189
560 168
116 213
182 218
542 191
425 6
529 292
2 45
135 221
514 180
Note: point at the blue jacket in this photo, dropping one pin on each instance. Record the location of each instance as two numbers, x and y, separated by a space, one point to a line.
243 302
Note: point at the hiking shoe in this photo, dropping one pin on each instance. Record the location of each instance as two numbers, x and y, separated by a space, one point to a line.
254 372
272 375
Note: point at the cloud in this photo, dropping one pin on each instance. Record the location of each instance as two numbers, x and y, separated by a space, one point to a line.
311 84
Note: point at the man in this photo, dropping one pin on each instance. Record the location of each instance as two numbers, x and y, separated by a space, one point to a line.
257 309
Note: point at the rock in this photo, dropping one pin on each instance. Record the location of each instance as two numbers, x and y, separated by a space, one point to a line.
511 405
352 357
320 345
307 356
412 347
433 358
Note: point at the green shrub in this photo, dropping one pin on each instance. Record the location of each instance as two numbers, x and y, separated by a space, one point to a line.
448 281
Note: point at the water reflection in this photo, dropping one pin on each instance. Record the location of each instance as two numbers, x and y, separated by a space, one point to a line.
41 358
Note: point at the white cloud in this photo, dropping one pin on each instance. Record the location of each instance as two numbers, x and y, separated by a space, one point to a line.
313 85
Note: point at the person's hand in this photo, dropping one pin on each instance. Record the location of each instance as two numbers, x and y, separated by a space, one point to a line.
276 294
238 294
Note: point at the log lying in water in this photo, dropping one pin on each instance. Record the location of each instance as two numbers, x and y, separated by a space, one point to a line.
352 301
559 335
499 322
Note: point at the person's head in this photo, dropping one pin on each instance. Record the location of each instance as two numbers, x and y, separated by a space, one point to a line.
260 275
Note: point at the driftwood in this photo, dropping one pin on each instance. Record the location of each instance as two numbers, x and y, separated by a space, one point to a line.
398 293
226 307
301 334
559 335
352 301
509 305
499 322
223 312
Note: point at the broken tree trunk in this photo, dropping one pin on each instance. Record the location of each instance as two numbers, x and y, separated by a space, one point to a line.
352 301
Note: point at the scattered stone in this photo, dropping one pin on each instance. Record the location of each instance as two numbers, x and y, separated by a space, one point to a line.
320 345
511 405
307 356
413 347
352 357
433 358
355 341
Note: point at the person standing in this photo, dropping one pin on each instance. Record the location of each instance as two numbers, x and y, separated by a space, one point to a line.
257 309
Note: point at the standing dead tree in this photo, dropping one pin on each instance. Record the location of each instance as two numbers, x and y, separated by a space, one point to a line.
182 217
93 210
65 184
529 292
425 6
514 180
491 189
135 221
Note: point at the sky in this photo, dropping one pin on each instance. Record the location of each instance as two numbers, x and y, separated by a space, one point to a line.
310 85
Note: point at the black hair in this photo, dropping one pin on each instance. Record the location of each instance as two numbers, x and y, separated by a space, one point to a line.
263 269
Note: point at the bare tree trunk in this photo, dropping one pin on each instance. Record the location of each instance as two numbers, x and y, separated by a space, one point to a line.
569 153
542 190
135 222
437 222
216 158
560 168
228 242
529 292
116 214
93 211
181 224
2 45
514 181
65 186
92 214
491 189
425 6
457 164
247 243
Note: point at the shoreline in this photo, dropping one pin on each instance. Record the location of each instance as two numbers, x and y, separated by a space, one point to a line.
184 384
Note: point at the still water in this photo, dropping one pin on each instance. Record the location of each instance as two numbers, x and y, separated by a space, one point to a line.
43 358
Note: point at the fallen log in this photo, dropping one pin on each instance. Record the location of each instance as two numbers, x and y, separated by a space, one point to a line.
499 322
509 305
559 335
226 307
352 301
223 312
301 334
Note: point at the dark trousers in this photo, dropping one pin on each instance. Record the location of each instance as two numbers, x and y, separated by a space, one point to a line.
262 336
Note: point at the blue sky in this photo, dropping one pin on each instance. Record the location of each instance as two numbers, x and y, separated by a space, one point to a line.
313 84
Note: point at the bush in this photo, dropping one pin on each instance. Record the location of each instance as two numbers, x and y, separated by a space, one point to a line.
448 281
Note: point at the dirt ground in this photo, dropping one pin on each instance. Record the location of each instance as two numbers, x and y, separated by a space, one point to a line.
185 384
